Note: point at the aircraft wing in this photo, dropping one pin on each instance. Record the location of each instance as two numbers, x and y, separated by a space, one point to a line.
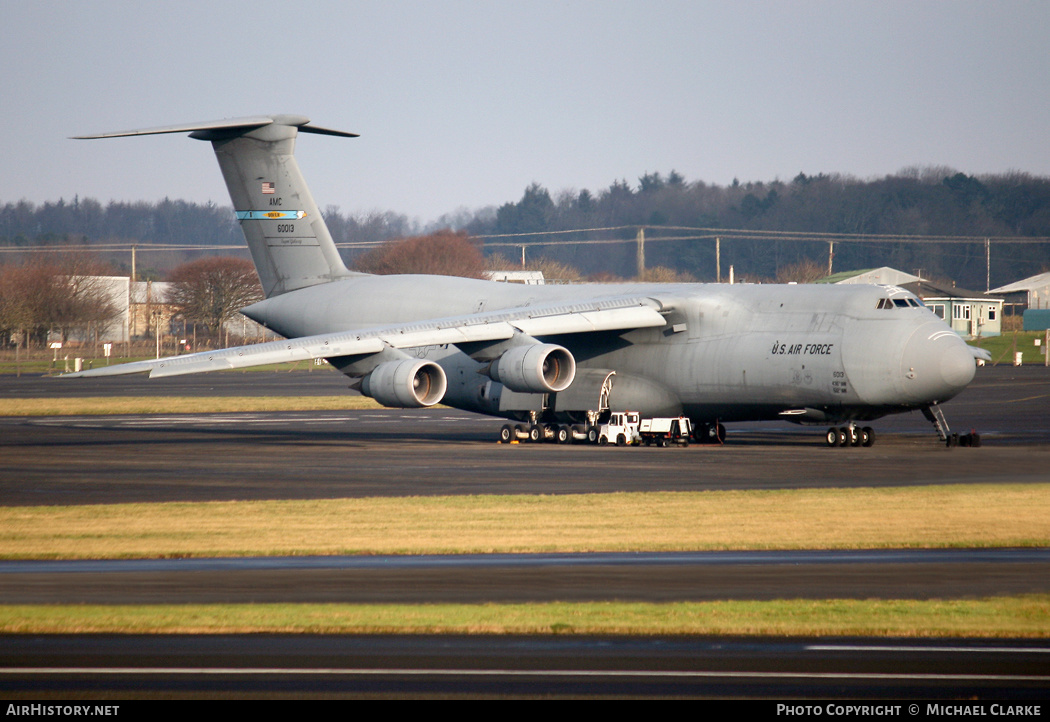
612 314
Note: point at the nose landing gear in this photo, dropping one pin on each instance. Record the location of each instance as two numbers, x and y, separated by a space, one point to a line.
935 416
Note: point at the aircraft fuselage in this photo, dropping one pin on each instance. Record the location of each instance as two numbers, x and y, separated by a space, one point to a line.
820 354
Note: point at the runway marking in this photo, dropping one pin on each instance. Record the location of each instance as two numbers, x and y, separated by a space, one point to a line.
976 650
565 673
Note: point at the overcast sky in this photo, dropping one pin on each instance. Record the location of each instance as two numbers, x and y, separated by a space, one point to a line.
463 104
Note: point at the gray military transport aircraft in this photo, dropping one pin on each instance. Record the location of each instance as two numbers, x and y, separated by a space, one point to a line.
550 356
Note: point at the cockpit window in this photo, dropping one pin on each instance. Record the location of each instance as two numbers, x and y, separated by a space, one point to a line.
900 303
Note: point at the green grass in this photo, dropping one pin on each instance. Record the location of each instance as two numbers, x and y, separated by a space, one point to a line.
1002 347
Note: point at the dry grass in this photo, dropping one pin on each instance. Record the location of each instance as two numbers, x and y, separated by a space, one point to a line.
108 405
1026 616
941 516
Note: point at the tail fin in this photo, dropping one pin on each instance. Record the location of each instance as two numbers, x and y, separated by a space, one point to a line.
288 239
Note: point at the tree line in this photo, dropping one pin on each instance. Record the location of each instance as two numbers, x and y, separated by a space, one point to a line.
917 201
935 201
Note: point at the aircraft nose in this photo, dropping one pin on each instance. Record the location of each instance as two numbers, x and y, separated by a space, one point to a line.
936 364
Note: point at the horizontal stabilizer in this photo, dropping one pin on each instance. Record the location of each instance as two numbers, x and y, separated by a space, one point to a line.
228 124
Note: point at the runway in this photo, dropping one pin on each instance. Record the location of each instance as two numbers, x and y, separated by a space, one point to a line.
541 666
88 460
391 452
510 578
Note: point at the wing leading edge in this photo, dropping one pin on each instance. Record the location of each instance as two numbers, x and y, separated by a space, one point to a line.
607 315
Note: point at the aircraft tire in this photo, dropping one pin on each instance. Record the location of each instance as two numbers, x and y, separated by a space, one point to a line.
832 437
592 435
535 433
506 434
562 434
867 436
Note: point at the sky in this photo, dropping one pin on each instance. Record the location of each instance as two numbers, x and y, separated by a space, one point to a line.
463 104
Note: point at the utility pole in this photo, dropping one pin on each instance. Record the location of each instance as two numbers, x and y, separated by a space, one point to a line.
718 259
641 253
831 254
987 265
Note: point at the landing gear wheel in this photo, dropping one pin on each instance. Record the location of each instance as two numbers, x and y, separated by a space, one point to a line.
562 435
867 436
506 434
535 433
843 436
832 437
592 435
853 434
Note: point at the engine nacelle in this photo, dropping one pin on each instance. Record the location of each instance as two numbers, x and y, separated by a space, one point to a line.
406 384
535 369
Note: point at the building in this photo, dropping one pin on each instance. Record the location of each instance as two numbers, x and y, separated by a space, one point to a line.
884 276
529 278
970 314
1032 292
141 308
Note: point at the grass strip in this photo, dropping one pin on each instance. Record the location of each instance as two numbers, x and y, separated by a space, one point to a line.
961 515
110 405
1022 616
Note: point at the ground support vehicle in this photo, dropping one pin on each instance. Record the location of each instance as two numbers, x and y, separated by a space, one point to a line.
662 432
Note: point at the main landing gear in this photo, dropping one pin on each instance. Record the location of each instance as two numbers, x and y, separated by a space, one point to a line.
555 433
851 435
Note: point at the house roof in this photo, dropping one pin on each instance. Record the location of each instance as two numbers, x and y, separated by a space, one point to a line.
929 289
883 275
1040 280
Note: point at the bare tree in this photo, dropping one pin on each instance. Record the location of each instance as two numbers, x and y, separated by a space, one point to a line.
805 271
444 253
211 291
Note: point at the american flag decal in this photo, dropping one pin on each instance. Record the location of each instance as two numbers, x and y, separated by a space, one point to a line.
267 188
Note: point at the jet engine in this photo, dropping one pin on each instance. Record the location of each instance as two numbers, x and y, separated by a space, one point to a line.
405 384
535 369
